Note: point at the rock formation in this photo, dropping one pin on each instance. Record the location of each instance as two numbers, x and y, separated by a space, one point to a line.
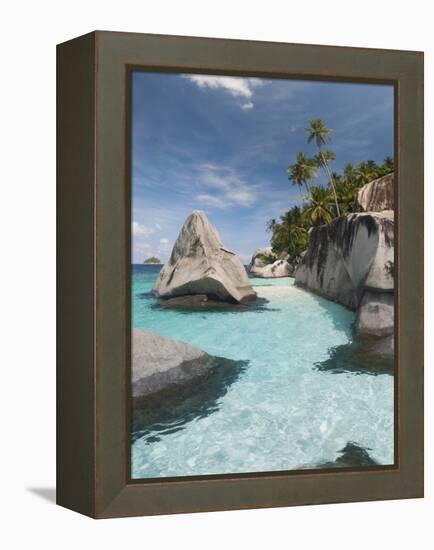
200 264
377 195
162 364
266 264
351 262
279 268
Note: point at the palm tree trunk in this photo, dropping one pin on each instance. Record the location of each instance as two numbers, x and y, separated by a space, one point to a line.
331 181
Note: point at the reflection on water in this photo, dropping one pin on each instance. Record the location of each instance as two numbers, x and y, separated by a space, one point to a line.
170 410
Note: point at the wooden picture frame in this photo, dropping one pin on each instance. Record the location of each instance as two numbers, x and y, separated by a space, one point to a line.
93 362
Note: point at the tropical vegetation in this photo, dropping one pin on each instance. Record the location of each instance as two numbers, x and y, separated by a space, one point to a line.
320 205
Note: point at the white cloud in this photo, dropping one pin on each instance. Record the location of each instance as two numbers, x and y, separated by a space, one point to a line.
236 86
158 227
164 241
230 188
139 229
210 200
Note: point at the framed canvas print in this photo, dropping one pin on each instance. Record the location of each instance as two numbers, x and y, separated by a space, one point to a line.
240 268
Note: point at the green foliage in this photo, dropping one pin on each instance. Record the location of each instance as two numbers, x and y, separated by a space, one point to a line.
320 206
290 233
303 171
266 259
318 132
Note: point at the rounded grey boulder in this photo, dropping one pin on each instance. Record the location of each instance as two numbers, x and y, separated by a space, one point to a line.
161 364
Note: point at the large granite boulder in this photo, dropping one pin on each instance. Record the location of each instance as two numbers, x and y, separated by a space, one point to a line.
174 383
351 262
279 268
266 264
200 264
377 195
162 364
261 257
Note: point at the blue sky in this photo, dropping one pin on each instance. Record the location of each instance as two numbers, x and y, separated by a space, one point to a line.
223 145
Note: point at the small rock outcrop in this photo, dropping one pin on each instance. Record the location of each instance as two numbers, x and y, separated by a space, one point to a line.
377 195
200 264
266 264
162 364
351 262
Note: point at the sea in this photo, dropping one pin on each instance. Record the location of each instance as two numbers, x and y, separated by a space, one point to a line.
287 402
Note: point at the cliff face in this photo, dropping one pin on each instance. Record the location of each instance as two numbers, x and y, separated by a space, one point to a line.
377 195
351 262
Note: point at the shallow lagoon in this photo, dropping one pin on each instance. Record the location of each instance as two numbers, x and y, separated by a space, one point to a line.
280 410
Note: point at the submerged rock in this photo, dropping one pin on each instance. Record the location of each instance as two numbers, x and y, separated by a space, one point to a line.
200 264
266 264
377 195
351 262
160 364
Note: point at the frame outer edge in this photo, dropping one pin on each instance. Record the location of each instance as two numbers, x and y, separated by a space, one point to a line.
75 383
115 496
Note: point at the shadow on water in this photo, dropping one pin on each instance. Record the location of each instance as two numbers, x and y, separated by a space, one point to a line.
145 295
358 357
170 410
353 455
214 307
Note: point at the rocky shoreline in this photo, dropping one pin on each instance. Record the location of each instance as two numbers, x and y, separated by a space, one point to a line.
351 261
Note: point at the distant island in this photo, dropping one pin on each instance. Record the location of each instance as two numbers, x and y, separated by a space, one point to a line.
152 260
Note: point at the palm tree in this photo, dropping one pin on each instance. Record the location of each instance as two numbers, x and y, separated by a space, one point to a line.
366 172
347 194
319 210
350 173
319 133
303 171
388 165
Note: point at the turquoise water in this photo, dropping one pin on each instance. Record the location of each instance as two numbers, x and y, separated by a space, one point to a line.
280 411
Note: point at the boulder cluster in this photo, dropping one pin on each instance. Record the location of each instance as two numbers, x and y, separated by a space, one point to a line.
351 260
266 264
